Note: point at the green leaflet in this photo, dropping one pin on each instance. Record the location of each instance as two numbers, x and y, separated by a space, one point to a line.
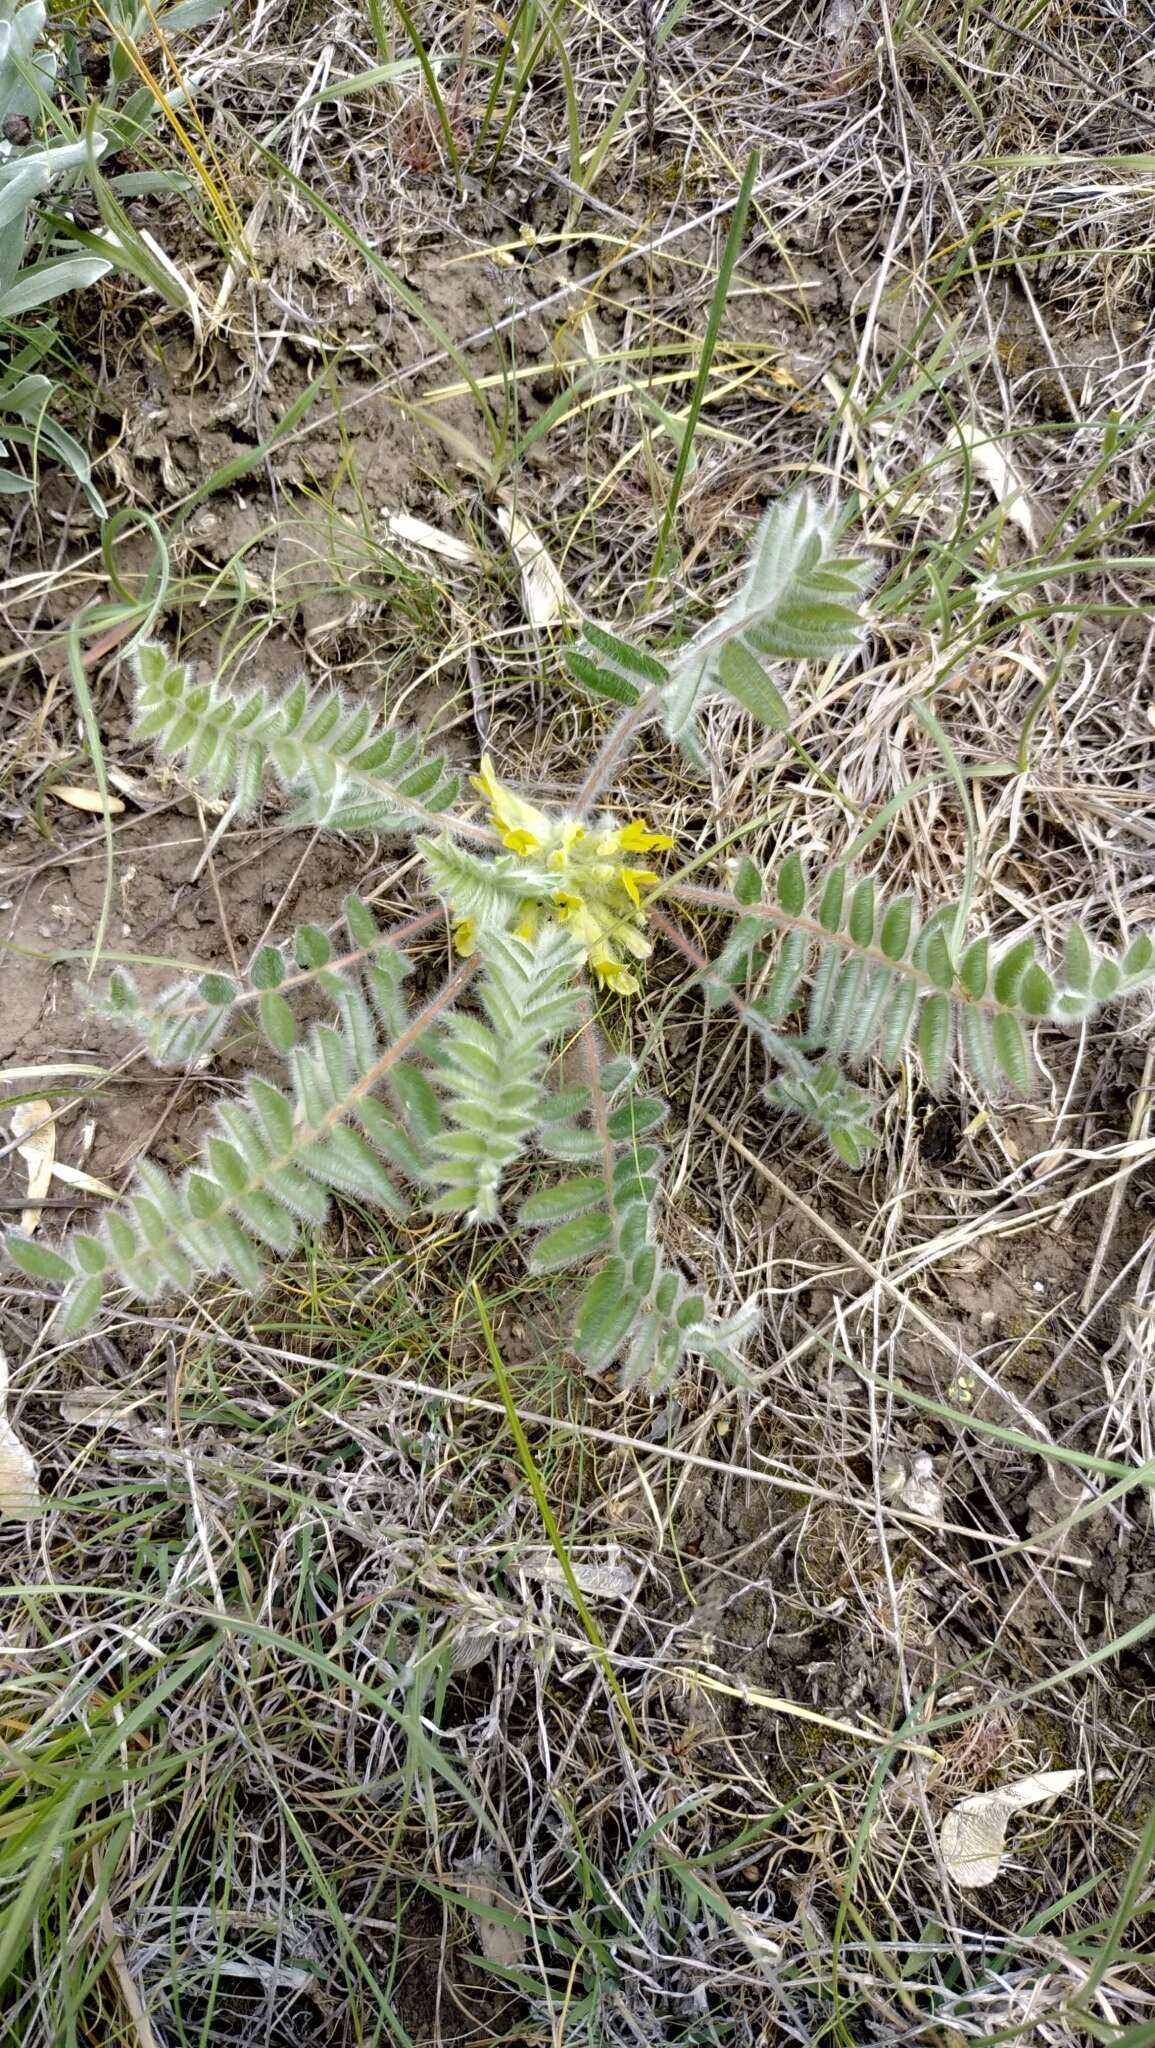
1037 991
743 677
934 1039
1011 1050
1078 960
39 1261
344 771
747 882
572 1243
623 656
1011 968
860 923
896 928
277 1022
599 680
605 1313
564 1199
786 980
791 886
973 969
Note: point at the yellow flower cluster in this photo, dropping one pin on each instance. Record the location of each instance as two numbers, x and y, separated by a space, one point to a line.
597 894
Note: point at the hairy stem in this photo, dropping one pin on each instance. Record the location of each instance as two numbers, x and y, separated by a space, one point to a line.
613 746
678 939
593 1072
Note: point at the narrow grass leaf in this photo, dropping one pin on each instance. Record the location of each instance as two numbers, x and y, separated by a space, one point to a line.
593 1633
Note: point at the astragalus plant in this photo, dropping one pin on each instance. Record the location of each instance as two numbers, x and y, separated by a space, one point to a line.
505 1073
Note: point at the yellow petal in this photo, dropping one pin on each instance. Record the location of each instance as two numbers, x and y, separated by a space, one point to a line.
522 826
584 928
613 975
634 879
487 783
518 840
465 937
572 834
636 837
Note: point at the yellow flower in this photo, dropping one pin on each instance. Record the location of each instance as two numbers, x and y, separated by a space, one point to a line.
613 975
465 937
598 894
636 837
523 828
633 880
570 833
530 922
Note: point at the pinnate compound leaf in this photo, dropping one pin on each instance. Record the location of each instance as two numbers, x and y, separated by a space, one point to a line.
798 601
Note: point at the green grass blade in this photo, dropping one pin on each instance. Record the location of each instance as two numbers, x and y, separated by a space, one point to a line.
721 292
593 1633
431 87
